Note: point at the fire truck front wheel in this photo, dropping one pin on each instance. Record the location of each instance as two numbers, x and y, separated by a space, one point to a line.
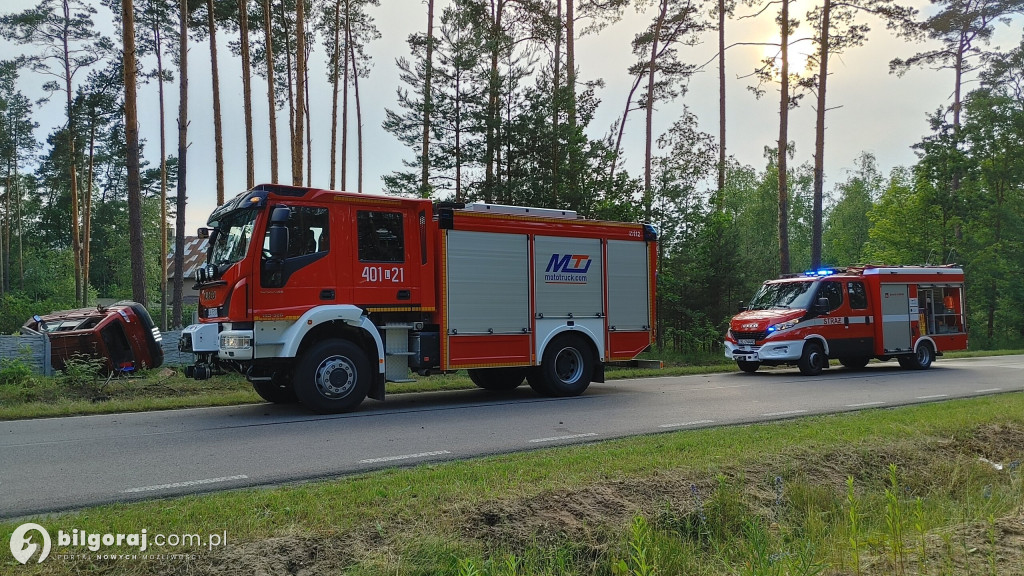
748 367
567 366
498 379
333 376
813 360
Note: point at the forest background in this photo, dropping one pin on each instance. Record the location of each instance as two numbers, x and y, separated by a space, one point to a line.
636 110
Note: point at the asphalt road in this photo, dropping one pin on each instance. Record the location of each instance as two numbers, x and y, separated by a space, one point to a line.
57 464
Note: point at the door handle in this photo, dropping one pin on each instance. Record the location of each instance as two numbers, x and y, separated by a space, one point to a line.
327 294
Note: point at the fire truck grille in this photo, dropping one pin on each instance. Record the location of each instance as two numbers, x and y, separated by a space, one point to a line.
755 336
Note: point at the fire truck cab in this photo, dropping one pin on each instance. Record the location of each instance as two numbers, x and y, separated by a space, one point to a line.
325 296
911 313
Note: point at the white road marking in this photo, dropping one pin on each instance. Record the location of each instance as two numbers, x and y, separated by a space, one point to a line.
988 390
930 397
785 413
570 437
404 457
862 404
186 484
684 424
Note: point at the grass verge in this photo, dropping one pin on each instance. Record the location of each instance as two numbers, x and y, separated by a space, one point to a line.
911 490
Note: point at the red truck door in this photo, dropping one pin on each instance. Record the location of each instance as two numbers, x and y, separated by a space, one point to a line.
846 324
305 277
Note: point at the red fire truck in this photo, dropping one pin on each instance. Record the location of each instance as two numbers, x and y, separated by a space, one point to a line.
911 313
340 293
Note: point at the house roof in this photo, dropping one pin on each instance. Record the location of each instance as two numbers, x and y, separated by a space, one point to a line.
195 256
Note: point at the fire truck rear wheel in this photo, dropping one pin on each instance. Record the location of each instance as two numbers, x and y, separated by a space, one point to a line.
567 366
813 360
278 391
333 376
498 379
748 367
854 362
920 360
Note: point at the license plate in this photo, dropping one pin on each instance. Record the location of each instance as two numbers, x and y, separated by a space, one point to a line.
746 341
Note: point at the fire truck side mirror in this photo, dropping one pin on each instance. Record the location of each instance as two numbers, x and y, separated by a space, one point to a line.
741 306
278 245
203 233
821 306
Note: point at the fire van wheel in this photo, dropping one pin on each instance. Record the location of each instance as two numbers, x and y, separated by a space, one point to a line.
748 367
813 360
333 376
854 362
920 360
278 390
498 379
567 366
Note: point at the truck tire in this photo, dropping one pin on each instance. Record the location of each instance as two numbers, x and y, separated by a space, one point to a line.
567 366
748 367
813 359
498 379
536 381
854 362
920 360
333 376
278 390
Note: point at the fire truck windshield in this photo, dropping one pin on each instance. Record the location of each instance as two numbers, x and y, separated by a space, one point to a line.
230 239
795 294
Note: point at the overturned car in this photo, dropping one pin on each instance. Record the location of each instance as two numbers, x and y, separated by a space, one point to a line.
121 335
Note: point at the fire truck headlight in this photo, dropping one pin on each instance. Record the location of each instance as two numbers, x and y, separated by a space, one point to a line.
782 326
228 341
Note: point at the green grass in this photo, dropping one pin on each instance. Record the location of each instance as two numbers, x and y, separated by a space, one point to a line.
761 499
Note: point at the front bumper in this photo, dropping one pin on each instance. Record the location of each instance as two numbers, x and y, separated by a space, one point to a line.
199 338
771 351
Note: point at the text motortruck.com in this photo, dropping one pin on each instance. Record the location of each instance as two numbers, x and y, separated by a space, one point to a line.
32 541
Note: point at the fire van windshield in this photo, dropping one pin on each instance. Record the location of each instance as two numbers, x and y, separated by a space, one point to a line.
230 238
783 295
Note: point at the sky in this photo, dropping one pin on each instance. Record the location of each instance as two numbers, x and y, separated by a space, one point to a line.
870 110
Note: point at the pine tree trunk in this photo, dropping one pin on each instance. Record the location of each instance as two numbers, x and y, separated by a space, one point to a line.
76 239
243 29
720 196
344 100
784 143
334 90
131 136
427 109
87 250
179 223
300 91
218 135
492 120
271 103
819 140
652 67
163 180
309 133
555 85
359 119
291 86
